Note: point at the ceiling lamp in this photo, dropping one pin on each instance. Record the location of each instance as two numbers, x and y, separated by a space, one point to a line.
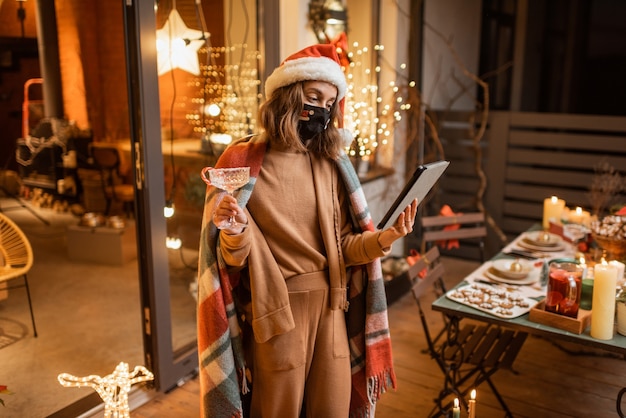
177 45
328 19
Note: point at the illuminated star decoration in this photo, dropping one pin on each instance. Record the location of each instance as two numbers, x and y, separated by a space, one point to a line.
113 389
177 45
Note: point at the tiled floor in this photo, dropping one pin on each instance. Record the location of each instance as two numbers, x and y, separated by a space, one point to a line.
88 317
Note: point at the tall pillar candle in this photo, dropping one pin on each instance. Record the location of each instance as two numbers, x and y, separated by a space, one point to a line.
620 271
552 210
603 305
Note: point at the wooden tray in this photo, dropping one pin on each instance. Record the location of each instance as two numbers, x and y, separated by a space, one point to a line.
576 325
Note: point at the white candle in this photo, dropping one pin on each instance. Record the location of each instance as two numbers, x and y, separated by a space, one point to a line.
603 305
456 410
472 404
576 217
552 210
620 271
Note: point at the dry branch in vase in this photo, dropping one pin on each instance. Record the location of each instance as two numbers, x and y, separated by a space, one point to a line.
606 185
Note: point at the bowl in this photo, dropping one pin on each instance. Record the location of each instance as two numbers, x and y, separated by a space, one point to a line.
506 267
116 222
91 219
615 247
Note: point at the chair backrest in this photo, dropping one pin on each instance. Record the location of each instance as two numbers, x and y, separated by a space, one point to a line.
454 228
106 157
427 275
17 253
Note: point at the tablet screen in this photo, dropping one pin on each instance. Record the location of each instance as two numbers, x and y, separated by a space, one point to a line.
418 186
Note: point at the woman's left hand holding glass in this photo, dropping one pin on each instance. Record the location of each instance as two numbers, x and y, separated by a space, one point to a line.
226 209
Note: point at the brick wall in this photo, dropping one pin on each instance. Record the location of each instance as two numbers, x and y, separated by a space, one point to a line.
93 70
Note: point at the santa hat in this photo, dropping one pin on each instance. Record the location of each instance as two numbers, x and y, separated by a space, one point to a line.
318 62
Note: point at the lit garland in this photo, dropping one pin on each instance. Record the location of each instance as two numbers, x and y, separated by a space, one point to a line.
230 80
113 388
370 113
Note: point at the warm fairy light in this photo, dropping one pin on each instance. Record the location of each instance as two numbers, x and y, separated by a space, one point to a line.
229 80
113 388
173 243
168 210
370 113
212 110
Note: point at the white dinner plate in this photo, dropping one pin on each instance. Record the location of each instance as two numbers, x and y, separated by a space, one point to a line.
537 238
494 275
529 246
504 268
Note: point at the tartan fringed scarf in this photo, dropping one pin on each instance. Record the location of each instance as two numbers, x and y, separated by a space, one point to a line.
220 350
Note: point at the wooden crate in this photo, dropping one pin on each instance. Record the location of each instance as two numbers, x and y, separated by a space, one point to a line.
576 325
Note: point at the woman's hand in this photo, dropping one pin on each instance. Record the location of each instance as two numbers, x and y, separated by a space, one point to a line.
226 208
401 228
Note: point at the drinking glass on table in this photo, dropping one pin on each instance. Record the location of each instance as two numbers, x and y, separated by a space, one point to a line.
228 179
564 288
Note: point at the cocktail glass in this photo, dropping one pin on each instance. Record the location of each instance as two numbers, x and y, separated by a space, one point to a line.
228 179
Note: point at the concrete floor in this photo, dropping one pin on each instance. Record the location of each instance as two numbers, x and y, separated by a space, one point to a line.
88 317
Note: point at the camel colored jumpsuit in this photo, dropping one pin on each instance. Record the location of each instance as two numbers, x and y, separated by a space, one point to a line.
309 365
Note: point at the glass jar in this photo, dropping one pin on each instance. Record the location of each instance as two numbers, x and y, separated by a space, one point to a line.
620 308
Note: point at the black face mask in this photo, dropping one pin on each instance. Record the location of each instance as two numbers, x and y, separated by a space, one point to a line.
313 121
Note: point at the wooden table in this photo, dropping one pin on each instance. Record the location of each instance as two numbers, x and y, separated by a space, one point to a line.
451 308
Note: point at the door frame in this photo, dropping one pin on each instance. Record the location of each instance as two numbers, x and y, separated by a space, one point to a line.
168 367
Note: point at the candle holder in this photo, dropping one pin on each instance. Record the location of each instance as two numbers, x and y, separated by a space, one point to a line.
620 306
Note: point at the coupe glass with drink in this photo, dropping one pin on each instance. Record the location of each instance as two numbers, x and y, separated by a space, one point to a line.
228 179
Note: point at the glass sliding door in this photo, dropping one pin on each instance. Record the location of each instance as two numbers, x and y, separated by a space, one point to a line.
148 162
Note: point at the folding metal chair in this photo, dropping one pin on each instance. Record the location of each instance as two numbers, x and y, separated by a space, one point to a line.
468 355
466 226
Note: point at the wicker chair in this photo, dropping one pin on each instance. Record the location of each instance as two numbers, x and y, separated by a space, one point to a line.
16 259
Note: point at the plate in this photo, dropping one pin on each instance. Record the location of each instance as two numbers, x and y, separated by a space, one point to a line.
527 245
542 239
503 266
496 276
497 302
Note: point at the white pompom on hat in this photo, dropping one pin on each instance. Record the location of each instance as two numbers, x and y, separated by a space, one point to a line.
318 62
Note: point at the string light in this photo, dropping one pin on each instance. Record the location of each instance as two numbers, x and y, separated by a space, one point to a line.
370 113
113 388
173 243
229 77
168 209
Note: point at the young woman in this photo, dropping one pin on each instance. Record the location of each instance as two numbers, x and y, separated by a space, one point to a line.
291 296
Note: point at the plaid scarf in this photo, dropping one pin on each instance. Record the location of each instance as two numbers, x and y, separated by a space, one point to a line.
220 349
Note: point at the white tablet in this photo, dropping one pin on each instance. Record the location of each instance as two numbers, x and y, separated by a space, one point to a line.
423 179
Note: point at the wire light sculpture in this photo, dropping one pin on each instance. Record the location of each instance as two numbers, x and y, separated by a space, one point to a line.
113 388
